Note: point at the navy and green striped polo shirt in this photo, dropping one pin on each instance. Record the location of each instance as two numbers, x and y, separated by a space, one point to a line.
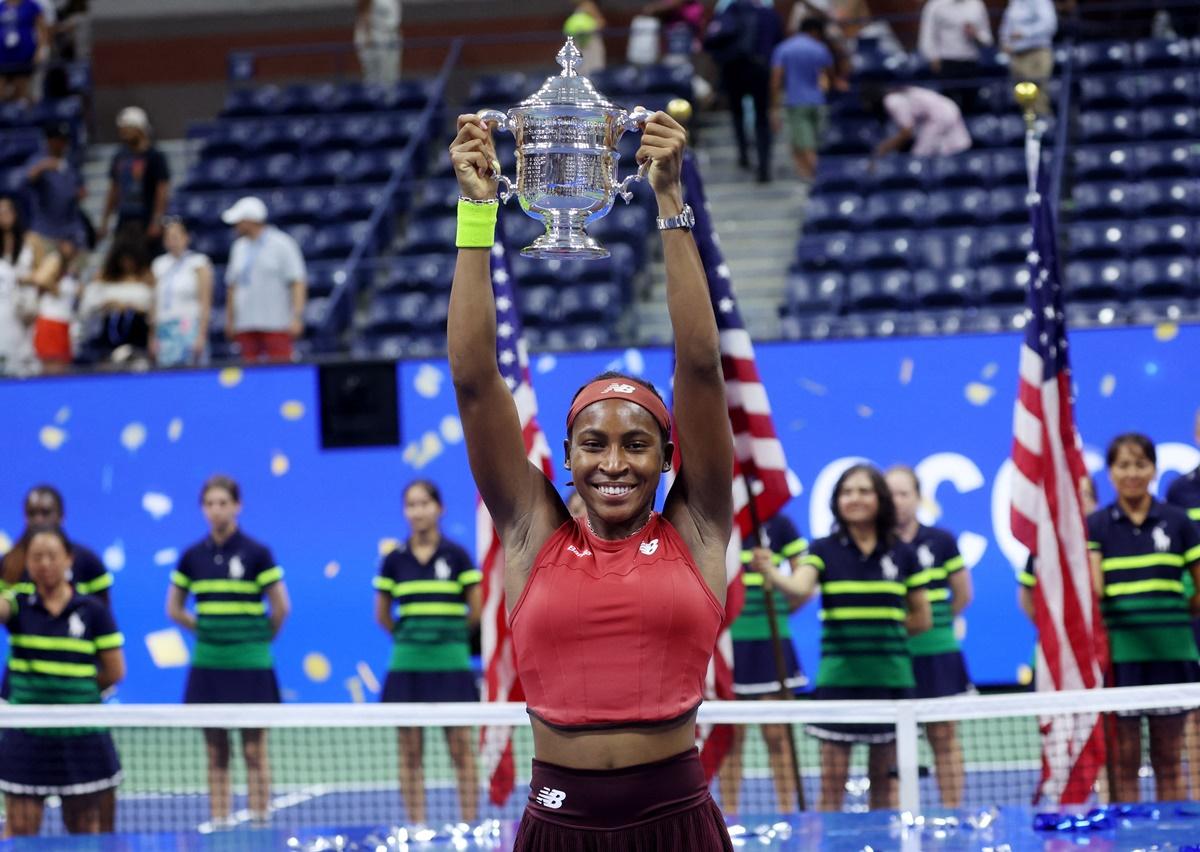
1147 616
864 641
938 557
1185 493
786 544
53 658
88 574
229 582
431 632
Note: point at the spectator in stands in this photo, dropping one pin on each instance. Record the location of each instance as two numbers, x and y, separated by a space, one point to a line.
799 77
55 188
584 25
51 272
951 36
1027 36
16 345
116 307
24 44
872 599
265 285
672 13
1140 549
183 291
930 122
139 181
433 584
741 40
377 39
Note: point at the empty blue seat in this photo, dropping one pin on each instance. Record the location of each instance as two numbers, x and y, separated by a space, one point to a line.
1113 126
1108 93
1151 311
822 252
539 305
1098 314
407 94
970 169
900 173
1005 245
935 289
858 137
217 173
1096 280
1104 200
1100 164
1168 90
438 195
432 272
815 292
1009 168
946 250
213 243
991 131
1003 285
1096 57
959 208
882 252
1162 53
1174 123
667 80
1162 237
301 99
1166 161
839 174
590 303
1152 277
894 210
431 235
498 90
337 241
617 81
833 213
1098 240
280 170
324 278
625 222
1168 197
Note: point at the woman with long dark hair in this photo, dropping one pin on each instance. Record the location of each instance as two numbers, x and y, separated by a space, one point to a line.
118 305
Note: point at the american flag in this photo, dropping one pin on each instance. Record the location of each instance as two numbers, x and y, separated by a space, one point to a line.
500 668
1048 519
757 451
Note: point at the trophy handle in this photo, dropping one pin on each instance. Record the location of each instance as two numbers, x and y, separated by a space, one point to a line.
639 116
501 124
633 121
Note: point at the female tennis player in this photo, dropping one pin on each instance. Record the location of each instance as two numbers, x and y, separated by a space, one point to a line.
432 585
615 614
233 578
65 650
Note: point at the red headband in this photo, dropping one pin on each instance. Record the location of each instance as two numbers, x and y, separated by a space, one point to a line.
634 392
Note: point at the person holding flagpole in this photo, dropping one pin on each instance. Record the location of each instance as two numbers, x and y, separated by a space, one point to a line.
614 615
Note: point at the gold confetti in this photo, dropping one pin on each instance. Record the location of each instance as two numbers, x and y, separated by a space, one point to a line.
1108 384
990 369
292 410
230 377
62 415
387 545
815 388
368 677
175 429
1024 674
52 437
355 688
978 393
1165 332
167 648
316 667
133 436
906 371
331 570
864 411
280 464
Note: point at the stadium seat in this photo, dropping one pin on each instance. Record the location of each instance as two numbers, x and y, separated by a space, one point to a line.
959 208
839 175
1097 57
1096 280
970 170
1104 200
1102 164
1085 314
337 241
215 244
498 91
1152 277
218 173
616 81
883 252
990 131
942 289
427 273
430 235
1004 245
1162 237
1150 311
1168 197
1003 285
1098 240
1162 53
674 80
894 210
833 213
1168 90
858 137
1166 161
946 251
519 230
437 196
1102 93
1177 123
1112 127
589 303
824 252
539 305
1008 206
1009 168
815 292
899 173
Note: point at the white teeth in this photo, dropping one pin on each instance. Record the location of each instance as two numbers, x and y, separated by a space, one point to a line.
614 490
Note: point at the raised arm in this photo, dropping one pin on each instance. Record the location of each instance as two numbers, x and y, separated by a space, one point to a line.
705 484
523 505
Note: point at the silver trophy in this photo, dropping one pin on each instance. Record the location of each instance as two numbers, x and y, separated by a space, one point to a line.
567 136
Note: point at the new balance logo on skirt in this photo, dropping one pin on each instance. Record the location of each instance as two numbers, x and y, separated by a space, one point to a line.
551 798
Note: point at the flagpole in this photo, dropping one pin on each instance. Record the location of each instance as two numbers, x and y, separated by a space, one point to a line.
760 535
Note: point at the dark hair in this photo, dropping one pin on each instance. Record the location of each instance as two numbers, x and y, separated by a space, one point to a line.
18 231
48 529
617 374
907 471
813 25
50 491
1137 439
885 519
223 482
168 221
128 246
435 493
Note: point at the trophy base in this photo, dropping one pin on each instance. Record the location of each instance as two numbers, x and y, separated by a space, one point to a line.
573 245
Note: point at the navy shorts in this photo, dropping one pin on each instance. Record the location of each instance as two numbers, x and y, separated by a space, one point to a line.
1155 674
754 672
939 675
408 687
232 686
855 732
38 765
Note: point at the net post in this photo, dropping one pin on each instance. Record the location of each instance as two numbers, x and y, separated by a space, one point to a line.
907 761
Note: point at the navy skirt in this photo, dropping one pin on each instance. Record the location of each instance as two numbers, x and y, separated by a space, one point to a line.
853 732
939 675
40 765
1154 674
663 806
754 672
231 686
407 687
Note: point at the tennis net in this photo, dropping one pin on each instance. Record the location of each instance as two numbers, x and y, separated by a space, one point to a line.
341 765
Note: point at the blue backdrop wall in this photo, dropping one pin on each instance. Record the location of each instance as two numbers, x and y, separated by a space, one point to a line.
130 452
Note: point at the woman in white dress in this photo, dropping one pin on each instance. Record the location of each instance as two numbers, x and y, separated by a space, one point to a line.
182 301
17 303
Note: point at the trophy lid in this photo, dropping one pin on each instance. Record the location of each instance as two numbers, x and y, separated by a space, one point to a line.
568 88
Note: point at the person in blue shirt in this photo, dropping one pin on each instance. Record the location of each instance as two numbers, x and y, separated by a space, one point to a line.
55 188
24 43
1027 36
799 69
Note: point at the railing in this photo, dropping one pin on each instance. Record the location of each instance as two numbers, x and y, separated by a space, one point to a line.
346 280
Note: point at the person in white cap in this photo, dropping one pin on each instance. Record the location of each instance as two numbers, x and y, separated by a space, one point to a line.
139 181
265 284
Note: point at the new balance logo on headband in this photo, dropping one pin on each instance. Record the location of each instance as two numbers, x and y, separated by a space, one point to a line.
618 387
551 798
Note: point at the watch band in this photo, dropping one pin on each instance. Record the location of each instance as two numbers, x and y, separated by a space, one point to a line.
684 219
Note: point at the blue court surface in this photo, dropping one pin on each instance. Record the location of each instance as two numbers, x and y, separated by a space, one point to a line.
1111 829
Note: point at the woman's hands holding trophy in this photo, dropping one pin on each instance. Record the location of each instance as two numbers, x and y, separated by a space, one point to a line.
663 142
473 154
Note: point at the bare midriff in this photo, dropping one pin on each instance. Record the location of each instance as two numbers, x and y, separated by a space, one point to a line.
614 748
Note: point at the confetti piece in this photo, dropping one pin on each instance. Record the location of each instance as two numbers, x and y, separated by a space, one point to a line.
795 486
906 371
332 569
990 370
797 424
1108 384
114 556
635 362
316 667
546 363
387 545
960 628
280 464
230 377
52 437
167 648
978 393
428 381
5 543
62 415
451 429
166 556
354 687
1024 674
293 409
863 410
1165 332
157 505
972 546
815 388
420 453
133 437
175 430
368 677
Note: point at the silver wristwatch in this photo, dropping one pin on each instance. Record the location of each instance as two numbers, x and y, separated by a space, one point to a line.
686 219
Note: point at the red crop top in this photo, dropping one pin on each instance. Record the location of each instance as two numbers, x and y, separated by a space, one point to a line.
612 634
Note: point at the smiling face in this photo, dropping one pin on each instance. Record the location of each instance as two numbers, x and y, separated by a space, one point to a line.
1131 472
856 499
47 559
616 457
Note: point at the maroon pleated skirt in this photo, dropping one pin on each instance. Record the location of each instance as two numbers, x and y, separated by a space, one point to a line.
663 806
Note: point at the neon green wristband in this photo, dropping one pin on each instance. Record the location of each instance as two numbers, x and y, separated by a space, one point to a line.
477 223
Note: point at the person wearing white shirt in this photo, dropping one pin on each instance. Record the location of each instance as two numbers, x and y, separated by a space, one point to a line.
1027 36
377 39
951 36
266 286
183 300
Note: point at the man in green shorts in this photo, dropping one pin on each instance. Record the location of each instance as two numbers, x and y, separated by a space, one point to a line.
798 66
